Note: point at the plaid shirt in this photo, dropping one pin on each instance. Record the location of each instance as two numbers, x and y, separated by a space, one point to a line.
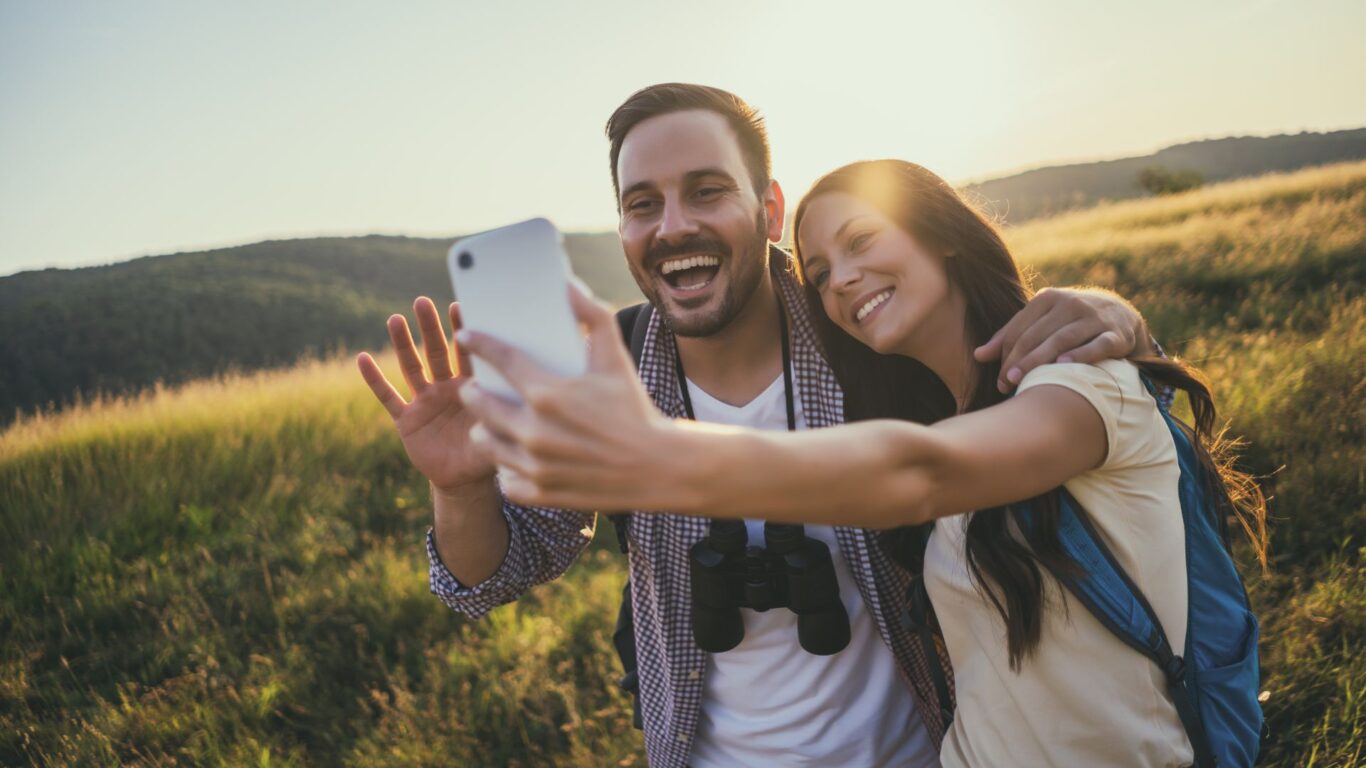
544 542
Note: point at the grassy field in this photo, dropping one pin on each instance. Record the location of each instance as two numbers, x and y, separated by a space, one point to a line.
232 572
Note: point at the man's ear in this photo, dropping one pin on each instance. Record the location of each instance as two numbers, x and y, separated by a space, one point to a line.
775 209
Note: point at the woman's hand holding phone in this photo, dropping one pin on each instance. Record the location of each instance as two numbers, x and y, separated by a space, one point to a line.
594 441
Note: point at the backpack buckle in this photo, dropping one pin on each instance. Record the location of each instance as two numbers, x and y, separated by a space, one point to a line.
1175 669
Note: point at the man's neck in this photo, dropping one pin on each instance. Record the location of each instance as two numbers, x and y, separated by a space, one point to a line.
736 364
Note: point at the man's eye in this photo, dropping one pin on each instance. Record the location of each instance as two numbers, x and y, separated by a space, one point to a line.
709 192
640 205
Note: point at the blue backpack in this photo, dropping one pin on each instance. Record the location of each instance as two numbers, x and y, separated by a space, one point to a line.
1215 685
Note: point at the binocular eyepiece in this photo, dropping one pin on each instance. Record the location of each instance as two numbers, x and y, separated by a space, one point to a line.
794 572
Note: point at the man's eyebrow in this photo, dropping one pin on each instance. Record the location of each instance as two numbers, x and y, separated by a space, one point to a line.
690 177
704 172
639 186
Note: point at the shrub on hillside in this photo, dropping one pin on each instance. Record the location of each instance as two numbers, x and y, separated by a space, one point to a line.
1156 180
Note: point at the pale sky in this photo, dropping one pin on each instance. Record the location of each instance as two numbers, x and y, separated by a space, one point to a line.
141 127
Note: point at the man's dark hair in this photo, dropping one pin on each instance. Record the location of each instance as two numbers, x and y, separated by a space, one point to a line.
665 98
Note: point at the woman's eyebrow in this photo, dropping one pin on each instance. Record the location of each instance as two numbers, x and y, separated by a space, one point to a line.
811 262
840 232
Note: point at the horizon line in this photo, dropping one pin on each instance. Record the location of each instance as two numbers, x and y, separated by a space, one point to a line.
270 237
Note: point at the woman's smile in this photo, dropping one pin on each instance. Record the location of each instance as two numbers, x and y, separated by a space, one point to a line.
870 303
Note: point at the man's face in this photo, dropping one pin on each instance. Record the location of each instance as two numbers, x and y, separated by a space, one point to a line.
694 231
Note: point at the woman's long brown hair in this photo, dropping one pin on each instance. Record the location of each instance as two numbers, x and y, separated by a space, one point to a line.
1006 568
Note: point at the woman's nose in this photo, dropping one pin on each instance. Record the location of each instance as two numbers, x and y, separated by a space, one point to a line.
842 276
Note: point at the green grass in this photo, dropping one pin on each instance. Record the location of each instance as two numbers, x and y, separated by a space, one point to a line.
232 572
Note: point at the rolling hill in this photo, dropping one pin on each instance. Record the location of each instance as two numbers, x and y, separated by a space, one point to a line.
1047 191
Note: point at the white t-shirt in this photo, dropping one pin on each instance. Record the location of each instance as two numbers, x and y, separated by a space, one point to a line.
768 702
1083 697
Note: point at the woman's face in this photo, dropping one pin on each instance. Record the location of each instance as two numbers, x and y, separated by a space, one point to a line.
874 279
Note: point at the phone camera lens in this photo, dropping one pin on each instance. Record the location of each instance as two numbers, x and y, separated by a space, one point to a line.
465 260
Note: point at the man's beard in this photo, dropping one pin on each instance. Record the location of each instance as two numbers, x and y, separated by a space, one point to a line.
740 285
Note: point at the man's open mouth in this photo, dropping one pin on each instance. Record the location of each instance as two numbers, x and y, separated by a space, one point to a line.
690 273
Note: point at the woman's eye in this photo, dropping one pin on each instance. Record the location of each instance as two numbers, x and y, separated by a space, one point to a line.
819 279
859 241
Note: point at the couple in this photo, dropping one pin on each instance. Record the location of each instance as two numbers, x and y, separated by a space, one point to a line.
899 302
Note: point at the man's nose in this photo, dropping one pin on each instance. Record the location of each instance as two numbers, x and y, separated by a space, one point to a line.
676 223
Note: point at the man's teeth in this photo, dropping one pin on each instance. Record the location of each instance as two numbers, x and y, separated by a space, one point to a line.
872 304
692 262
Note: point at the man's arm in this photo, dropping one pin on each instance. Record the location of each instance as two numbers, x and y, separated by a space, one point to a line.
477 539
469 531
1067 325
540 543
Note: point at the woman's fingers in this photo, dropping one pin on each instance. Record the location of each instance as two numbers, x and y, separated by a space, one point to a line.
433 339
384 391
606 351
524 490
499 449
524 374
408 361
462 356
493 412
542 438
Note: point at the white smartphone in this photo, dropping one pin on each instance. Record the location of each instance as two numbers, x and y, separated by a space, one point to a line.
513 284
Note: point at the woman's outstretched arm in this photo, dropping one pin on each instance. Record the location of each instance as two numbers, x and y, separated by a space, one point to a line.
880 474
597 442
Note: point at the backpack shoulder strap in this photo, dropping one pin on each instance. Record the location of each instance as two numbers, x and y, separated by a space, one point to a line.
1120 606
634 322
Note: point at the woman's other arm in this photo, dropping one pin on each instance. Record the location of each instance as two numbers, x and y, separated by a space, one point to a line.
597 442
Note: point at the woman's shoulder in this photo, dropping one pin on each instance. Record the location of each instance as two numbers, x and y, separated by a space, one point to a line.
1119 379
1115 389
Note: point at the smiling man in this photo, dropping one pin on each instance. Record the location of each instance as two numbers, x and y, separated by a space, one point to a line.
730 341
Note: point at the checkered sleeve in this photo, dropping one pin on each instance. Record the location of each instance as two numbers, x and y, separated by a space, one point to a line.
542 543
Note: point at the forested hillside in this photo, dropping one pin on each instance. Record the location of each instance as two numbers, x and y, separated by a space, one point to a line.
173 318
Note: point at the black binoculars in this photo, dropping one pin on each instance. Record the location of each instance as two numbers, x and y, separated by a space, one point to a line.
793 572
